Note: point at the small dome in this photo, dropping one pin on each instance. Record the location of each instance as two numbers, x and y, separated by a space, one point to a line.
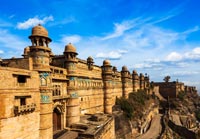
70 48
124 68
141 75
90 59
26 50
106 63
39 30
114 69
134 72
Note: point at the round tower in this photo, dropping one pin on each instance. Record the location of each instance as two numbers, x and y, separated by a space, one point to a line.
26 52
135 78
70 59
107 81
39 54
146 81
90 63
73 104
39 50
125 81
141 81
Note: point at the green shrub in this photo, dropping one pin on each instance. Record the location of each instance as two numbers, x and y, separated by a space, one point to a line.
125 106
181 95
197 113
133 106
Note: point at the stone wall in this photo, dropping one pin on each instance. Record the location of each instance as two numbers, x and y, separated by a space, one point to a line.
91 101
18 63
23 126
108 131
167 89
19 121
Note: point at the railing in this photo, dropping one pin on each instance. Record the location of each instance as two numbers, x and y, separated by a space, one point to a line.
24 109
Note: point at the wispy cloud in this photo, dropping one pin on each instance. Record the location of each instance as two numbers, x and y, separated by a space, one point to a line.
174 56
11 16
64 21
34 21
173 60
184 73
11 45
193 55
4 23
1 51
119 30
113 55
71 39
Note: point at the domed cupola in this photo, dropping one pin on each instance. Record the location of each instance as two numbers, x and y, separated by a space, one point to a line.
70 53
69 48
106 62
90 62
39 51
39 36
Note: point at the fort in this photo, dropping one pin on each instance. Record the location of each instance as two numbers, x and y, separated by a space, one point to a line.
42 94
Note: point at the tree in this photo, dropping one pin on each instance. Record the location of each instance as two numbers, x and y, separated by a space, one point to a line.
167 78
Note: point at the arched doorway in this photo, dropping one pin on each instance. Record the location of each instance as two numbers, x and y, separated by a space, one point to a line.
57 119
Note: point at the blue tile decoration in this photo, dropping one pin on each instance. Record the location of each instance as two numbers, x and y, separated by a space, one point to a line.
45 99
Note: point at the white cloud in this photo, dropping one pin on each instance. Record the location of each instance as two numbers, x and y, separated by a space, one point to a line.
11 45
174 56
185 73
120 28
1 51
33 21
63 21
196 50
113 55
71 39
196 28
11 16
192 83
122 51
142 65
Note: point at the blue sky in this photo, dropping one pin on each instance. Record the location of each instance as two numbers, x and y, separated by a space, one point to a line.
157 37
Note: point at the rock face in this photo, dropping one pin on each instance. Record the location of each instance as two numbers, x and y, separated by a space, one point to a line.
122 126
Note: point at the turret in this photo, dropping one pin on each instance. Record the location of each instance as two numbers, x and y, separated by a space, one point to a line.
141 81
146 81
39 50
26 52
125 80
136 83
70 59
73 104
39 55
107 81
90 63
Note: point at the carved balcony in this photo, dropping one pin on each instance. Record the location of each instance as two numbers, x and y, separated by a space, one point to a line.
24 109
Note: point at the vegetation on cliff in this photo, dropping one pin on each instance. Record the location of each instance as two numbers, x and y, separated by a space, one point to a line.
134 106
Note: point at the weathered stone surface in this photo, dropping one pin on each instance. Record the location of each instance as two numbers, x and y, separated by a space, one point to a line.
41 93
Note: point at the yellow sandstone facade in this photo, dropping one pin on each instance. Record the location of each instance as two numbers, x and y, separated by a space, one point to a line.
41 94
